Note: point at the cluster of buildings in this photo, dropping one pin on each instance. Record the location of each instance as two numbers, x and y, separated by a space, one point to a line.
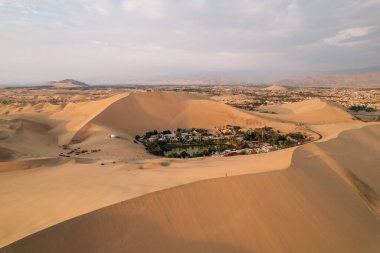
193 135
219 141
255 148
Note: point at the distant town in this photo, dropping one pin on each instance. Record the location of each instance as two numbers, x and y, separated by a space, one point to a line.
362 103
250 97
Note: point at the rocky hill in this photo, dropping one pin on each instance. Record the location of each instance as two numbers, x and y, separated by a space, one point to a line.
68 83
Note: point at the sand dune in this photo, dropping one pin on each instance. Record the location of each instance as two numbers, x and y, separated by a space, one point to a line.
275 87
296 108
82 188
141 112
30 163
307 208
133 114
76 116
315 112
26 139
57 189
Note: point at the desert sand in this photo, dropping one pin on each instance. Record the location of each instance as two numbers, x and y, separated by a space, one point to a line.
312 112
262 203
305 208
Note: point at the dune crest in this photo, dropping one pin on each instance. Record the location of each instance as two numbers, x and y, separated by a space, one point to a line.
263 212
75 116
314 112
141 112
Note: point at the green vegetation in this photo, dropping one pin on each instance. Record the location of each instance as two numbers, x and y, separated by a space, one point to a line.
225 141
366 108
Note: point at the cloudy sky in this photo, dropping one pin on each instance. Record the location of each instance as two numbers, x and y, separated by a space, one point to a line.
116 41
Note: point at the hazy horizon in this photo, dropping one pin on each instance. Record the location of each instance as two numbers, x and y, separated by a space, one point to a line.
109 41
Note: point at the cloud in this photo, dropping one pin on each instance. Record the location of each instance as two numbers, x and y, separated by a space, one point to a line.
149 47
198 4
152 9
99 43
292 7
100 9
343 36
121 38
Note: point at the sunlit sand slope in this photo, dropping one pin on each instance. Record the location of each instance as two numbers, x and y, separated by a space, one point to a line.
312 111
315 206
81 188
141 112
21 139
354 157
75 116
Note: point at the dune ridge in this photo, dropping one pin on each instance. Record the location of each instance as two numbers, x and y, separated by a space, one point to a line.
314 112
141 112
23 139
265 212
77 115
82 188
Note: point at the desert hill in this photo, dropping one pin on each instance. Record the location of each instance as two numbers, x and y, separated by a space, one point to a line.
141 112
275 87
75 116
314 111
25 139
67 83
266 212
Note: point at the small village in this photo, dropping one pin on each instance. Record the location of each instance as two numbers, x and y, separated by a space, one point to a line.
220 141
